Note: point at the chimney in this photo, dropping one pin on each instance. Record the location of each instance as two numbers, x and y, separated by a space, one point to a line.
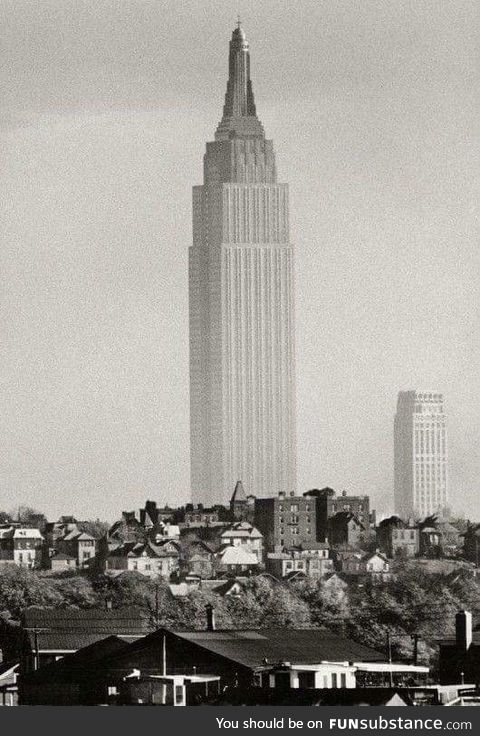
210 617
463 629
281 494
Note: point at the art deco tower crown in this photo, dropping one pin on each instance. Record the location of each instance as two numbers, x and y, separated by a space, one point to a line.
239 112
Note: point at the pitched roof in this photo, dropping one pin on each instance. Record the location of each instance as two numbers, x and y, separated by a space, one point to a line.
242 529
70 629
345 517
238 494
302 646
147 549
237 556
27 533
80 662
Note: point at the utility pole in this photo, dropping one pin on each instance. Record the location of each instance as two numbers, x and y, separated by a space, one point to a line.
389 650
415 648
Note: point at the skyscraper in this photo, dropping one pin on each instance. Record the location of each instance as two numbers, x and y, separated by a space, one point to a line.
242 387
420 454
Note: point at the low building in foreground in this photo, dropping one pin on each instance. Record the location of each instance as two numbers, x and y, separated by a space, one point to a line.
241 661
49 634
459 658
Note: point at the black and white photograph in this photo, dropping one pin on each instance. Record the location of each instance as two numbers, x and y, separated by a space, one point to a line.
240 353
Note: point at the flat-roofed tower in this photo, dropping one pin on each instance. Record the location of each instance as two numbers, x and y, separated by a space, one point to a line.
242 385
420 454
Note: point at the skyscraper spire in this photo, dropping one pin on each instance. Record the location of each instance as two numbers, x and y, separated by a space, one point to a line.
242 372
239 112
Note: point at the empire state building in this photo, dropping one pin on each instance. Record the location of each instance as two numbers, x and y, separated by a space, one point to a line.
242 382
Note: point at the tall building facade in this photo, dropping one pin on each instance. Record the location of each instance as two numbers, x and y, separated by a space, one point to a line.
242 387
420 454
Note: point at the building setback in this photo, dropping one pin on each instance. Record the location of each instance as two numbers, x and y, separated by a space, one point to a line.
420 454
242 405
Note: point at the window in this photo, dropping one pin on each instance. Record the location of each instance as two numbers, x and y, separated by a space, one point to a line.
148 566
306 680
412 535
334 679
295 530
343 680
178 694
294 507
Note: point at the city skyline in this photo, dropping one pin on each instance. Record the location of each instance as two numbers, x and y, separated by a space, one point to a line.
103 112
242 324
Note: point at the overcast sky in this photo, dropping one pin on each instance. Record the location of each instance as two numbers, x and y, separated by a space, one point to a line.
106 107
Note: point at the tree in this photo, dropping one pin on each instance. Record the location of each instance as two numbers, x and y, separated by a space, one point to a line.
20 588
95 528
328 602
5 518
30 517
76 591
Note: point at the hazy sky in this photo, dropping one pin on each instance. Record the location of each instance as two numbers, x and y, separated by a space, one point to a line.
106 107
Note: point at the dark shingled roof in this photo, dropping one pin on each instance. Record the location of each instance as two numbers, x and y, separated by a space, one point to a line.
306 646
71 629
81 662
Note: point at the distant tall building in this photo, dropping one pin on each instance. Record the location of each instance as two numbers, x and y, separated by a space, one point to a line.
420 454
242 389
